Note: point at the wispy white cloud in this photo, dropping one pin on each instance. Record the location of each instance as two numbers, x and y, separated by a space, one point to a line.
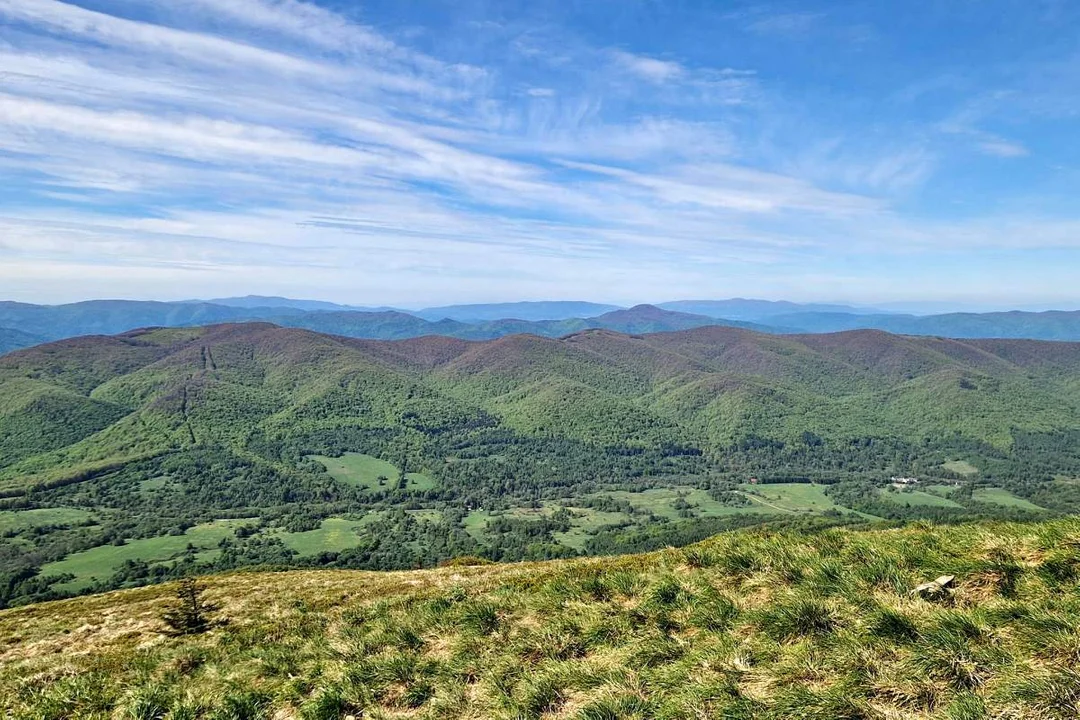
786 24
262 145
1002 148
58 17
648 68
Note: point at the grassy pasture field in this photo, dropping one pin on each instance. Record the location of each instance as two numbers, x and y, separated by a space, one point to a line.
101 562
990 496
660 502
1000 496
154 483
790 497
14 520
960 467
364 471
918 497
586 521
334 535
426 515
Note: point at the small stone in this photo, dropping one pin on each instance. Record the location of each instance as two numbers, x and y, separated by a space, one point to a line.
936 589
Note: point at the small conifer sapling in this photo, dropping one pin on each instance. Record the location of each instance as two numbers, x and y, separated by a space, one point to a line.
189 613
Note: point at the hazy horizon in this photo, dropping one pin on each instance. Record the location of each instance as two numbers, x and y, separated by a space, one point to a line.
929 307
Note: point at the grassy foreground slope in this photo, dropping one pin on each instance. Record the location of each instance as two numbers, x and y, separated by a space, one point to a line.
753 624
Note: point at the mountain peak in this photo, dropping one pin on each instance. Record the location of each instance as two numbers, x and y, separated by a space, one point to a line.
645 311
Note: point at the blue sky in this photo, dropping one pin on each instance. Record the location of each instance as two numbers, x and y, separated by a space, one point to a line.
418 152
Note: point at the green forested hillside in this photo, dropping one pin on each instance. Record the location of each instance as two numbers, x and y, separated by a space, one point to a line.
517 448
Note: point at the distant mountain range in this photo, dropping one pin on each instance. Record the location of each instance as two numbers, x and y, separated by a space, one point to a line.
472 314
746 310
532 311
15 339
758 310
109 317
264 301
396 325
1049 325
23 325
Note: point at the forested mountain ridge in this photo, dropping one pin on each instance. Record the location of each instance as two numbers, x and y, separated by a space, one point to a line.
709 388
325 450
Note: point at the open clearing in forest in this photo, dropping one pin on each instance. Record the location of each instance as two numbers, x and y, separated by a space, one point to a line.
16 520
960 467
101 562
365 471
790 497
334 535
920 498
1000 496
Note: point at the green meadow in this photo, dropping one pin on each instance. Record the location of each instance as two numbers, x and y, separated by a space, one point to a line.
16 520
371 473
790 497
101 562
334 535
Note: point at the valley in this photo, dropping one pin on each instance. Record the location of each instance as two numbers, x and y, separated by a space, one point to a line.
435 360
136 458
